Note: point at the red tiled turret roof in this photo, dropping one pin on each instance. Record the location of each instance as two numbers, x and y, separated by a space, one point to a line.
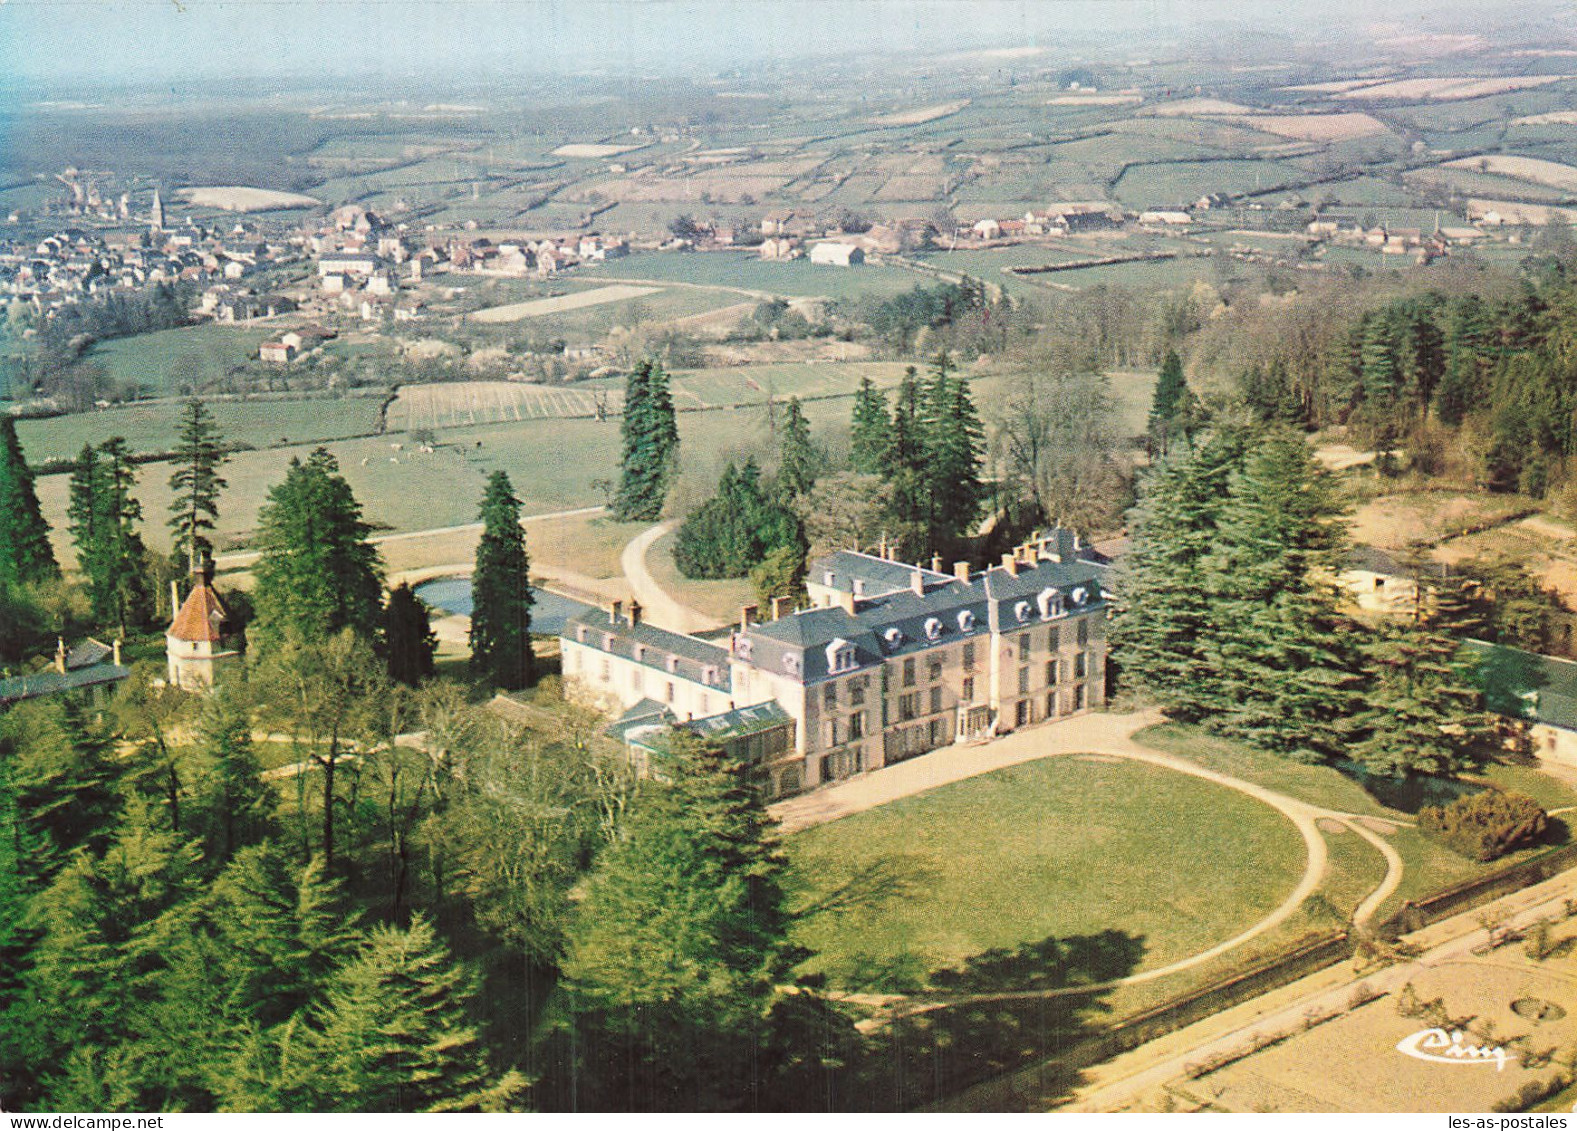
202 616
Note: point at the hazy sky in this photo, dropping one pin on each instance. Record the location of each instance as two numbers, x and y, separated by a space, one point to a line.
46 44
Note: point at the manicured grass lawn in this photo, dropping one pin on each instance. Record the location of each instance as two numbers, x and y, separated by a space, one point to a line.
1317 785
1062 847
1427 865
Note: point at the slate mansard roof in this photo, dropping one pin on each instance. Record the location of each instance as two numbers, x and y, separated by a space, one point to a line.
901 621
692 657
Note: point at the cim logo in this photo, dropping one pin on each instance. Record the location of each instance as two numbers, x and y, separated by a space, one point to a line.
1440 1047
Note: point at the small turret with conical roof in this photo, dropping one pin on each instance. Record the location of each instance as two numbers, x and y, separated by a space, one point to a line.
199 643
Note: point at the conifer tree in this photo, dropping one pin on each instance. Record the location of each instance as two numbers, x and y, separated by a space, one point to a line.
236 806
650 444
797 459
1163 616
678 950
955 445
391 1035
408 639
1423 713
25 553
501 592
196 482
316 573
104 516
870 430
1286 676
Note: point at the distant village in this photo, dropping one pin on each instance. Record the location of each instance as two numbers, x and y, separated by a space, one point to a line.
353 265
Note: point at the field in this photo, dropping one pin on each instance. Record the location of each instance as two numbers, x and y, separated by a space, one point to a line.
558 305
1060 848
174 362
921 116
459 403
593 151
236 198
1447 89
747 272
1318 127
1551 173
153 427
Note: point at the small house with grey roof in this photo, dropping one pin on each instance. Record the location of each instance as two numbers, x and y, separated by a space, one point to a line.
890 660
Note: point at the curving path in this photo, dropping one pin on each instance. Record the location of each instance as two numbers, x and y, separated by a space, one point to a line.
1105 734
658 605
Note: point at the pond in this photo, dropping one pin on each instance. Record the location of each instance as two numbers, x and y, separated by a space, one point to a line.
453 595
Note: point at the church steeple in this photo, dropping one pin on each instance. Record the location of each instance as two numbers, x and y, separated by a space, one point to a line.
158 212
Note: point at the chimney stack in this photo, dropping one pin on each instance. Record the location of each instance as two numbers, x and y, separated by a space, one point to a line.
777 606
859 587
961 571
1010 563
747 615
936 563
635 611
917 582
614 610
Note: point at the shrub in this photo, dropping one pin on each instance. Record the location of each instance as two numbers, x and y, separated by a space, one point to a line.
1485 825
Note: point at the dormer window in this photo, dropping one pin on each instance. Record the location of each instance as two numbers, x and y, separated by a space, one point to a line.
607 641
1021 611
1050 606
742 647
966 621
640 652
893 636
840 656
791 663
580 633
673 663
1080 595
933 628
709 676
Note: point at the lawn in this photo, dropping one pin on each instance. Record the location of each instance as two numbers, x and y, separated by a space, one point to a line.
1061 847
1427 865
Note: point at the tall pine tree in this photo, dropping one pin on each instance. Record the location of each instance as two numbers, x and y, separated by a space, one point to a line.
104 516
196 482
1285 674
408 639
650 444
501 592
797 459
25 553
870 431
316 572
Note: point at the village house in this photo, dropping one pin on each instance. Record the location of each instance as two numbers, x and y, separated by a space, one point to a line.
890 661
836 254
779 247
276 352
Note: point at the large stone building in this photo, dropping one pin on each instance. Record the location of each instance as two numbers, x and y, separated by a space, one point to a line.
890 661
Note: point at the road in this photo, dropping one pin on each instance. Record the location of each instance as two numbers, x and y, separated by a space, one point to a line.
657 605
